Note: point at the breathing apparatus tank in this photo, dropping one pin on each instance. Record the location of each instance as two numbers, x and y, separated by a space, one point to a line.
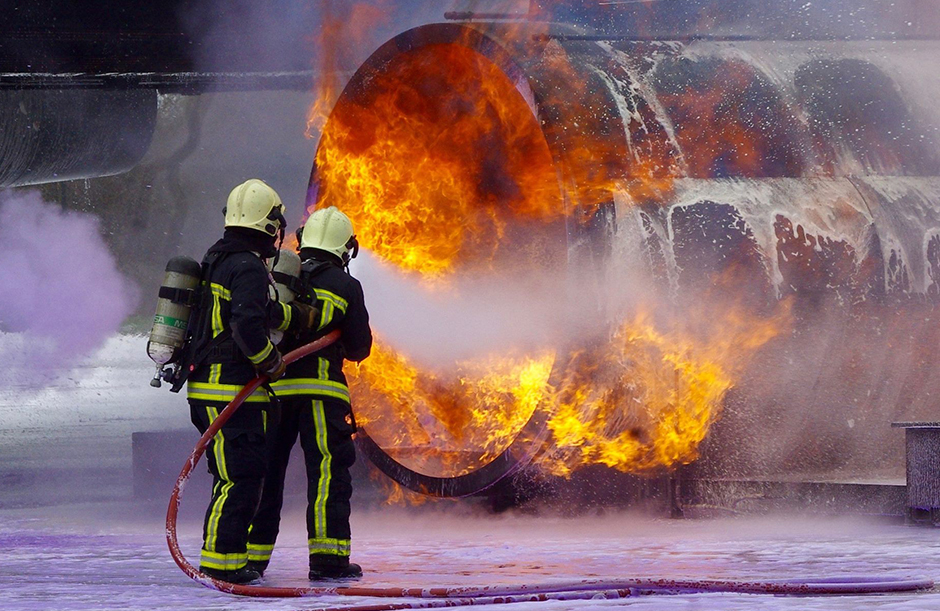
286 274
174 306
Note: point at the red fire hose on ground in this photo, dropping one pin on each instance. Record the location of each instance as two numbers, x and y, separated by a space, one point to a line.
488 595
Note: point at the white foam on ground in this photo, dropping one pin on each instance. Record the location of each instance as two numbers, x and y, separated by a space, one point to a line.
63 560
79 552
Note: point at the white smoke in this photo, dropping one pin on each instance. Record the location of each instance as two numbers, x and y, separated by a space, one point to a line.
461 318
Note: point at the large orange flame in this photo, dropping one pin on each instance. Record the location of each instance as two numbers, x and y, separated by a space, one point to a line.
449 422
443 168
641 401
442 146
647 398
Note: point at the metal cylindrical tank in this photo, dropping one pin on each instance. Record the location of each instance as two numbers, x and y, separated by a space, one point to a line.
811 166
49 135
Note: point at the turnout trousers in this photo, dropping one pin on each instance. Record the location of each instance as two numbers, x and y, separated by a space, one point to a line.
325 428
237 458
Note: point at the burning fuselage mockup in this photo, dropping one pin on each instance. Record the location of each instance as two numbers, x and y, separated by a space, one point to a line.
748 229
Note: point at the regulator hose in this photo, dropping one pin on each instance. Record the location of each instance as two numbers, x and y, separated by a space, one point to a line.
489 595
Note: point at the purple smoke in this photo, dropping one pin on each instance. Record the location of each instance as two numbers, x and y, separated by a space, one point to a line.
61 294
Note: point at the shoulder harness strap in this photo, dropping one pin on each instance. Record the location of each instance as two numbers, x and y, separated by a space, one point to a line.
295 284
309 269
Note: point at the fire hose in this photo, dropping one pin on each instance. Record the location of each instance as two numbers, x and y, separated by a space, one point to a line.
487 595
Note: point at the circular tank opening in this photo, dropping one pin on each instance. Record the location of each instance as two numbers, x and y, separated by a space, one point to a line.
440 162
438 159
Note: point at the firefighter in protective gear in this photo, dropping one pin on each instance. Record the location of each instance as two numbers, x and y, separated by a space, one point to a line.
315 404
231 346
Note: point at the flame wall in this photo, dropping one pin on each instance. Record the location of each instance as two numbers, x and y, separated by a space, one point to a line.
754 171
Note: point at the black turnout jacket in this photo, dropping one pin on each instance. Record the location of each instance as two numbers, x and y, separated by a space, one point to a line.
339 298
237 306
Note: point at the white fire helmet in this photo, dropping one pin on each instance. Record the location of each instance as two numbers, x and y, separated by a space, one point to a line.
255 205
330 230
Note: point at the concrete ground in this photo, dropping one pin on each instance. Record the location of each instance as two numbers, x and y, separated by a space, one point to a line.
75 537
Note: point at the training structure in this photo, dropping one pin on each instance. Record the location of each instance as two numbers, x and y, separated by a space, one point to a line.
794 163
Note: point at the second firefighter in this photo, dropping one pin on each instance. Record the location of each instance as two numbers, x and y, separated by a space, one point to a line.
316 406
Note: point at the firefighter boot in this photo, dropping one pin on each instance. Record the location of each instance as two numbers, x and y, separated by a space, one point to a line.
243 576
258 566
324 566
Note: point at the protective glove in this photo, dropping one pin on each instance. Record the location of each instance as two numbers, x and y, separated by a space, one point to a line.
304 317
273 366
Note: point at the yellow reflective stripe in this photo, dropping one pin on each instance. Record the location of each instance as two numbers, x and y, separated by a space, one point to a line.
222 487
220 291
332 298
321 392
212 522
257 358
323 368
215 369
333 547
288 383
261 547
326 315
293 387
212 526
222 562
260 552
216 316
287 317
222 557
207 391
256 397
331 301
323 487
217 444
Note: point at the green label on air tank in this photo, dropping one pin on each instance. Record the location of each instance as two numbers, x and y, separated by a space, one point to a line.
169 321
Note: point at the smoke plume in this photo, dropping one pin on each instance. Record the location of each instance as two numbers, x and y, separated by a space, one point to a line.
61 294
